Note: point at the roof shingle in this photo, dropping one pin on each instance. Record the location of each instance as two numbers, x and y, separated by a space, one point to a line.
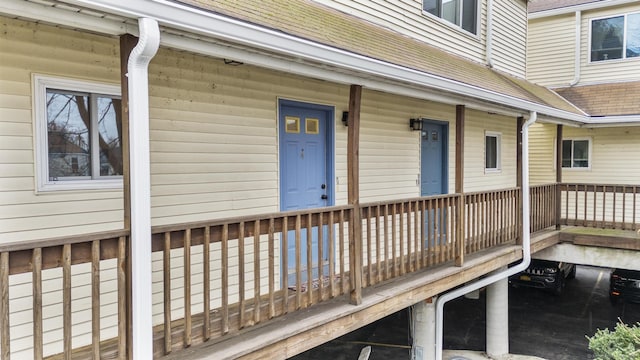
613 99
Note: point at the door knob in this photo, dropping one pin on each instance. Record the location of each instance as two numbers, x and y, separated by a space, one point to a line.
324 197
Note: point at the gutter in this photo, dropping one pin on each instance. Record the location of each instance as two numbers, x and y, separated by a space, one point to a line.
139 158
526 245
576 76
595 4
210 24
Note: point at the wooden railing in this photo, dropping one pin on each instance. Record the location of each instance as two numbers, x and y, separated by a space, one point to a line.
49 257
404 236
542 206
492 218
215 278
254 277
600 206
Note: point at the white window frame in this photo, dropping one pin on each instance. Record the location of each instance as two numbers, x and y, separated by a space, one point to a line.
455 26
624 39
40 85
589 159
498 137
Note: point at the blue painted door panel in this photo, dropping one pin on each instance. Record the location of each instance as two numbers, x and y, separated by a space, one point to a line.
433 177
304 179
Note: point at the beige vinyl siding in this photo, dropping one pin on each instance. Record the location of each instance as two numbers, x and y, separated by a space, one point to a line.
542 139
29 48
406 17
214 136
615 156
551 50
477 123
606 71
510 36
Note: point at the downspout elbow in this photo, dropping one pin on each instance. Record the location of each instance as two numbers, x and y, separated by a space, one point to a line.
526 245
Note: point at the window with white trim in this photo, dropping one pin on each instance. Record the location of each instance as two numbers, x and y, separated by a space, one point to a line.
576 153
616 37
492 151
78 134
462 13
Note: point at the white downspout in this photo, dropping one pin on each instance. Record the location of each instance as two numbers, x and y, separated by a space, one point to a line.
526 244
137 73
576 67
489 36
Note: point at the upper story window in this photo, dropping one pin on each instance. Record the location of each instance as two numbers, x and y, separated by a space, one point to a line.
615 37
575 153
492 151
78 134
463 13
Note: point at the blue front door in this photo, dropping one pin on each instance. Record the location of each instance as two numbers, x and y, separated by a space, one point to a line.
433 178
305 166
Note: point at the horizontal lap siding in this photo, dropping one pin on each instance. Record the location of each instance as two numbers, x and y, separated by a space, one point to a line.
475 178
214 136
615 156
607 71
29 48
406 17
542 139
510 36
551 50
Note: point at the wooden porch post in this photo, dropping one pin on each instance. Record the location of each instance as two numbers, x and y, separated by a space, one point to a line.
460 236
127 43
520 122
353 179
558 174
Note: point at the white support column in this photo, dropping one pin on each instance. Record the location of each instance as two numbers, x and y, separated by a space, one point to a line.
141 188
423 318
498 318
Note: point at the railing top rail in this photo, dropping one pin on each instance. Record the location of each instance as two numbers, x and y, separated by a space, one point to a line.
158 229
58 241
405 200
600 186
491 191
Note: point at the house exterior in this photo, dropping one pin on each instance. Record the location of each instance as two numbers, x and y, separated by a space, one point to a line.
569 52
281 155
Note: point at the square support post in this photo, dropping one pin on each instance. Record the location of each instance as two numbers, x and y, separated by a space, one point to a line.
353 179
520 122
558 204
460 220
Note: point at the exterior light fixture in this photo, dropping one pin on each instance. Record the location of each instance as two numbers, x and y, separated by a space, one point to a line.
345 118
415 124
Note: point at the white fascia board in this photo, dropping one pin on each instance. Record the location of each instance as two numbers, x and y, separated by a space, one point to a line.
582 7
197 21
612 121
55 15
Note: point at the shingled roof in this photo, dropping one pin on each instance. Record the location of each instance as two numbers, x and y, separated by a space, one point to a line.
327 26
542 5
613 99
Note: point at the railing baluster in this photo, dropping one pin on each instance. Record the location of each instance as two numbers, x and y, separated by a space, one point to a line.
380 253
66 300
624 207
187 288
166 273
634 208
604 205
5 339
272 277
206 288
122 298
298 262
37 303
402 239
241 273
285 264
388 258
331 255
256 272
393 239
343 283
416 236
224 273
320 258
309 248
95 298
369 278
423 234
